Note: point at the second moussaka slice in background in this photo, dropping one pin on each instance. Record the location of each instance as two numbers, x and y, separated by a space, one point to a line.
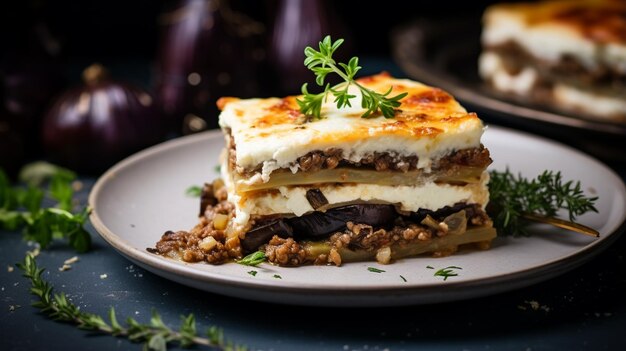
570 55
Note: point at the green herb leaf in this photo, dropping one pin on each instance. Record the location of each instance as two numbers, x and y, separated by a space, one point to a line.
513 196
375 270
253 259
194 191
403 278
277 276
36 173
61 190
447 272
22 208
322 64
252 273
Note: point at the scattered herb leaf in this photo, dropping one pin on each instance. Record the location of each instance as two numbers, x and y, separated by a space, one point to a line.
513 196
253 259
36 173
252 273
194 191
322 63
277 276
23 208
218 168
403 278
375 270
447 272
155 335
430 267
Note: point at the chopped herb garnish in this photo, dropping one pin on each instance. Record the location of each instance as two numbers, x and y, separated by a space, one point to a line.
277 276
218 169
155 335
252 273
512 198
24 207
403 278
447 272
253 259
322 63
430 267
375 270
194 191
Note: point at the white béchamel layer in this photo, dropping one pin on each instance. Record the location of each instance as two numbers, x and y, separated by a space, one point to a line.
273 133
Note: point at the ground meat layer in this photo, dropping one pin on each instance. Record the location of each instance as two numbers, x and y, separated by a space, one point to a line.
380 161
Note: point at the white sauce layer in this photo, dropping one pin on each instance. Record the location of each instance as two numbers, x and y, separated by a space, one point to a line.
261 138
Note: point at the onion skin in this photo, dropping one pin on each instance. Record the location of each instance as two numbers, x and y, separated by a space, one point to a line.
91 127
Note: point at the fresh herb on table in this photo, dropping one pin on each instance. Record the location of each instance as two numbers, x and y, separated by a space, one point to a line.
155 335
515 200
322 63
447 272
253 259
194 191
277 276
26 208
375 270
252 273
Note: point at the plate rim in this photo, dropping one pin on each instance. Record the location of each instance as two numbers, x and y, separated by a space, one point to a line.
135 254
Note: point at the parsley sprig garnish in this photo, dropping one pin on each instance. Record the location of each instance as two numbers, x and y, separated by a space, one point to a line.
44 215
155 335
322 63
515 201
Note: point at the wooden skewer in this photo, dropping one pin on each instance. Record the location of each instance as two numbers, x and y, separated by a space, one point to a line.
563 224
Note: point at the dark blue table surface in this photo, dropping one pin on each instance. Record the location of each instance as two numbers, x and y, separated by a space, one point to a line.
583 309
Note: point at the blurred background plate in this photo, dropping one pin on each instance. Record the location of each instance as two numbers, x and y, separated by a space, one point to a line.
445 54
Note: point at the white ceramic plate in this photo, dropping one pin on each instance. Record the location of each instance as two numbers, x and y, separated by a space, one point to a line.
143 196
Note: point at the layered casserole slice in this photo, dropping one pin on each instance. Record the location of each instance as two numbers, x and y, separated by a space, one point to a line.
570 55
343 188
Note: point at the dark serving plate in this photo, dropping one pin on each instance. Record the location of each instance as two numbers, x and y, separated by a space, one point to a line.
445 54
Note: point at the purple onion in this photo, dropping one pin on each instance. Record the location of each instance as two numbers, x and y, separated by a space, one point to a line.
91 127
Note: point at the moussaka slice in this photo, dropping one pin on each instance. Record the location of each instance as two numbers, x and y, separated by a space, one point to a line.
343 188
570 55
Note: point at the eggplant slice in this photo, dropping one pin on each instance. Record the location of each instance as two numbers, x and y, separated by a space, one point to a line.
319 225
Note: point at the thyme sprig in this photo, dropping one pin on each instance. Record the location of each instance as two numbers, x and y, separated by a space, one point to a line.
155 335
513 197
322 63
